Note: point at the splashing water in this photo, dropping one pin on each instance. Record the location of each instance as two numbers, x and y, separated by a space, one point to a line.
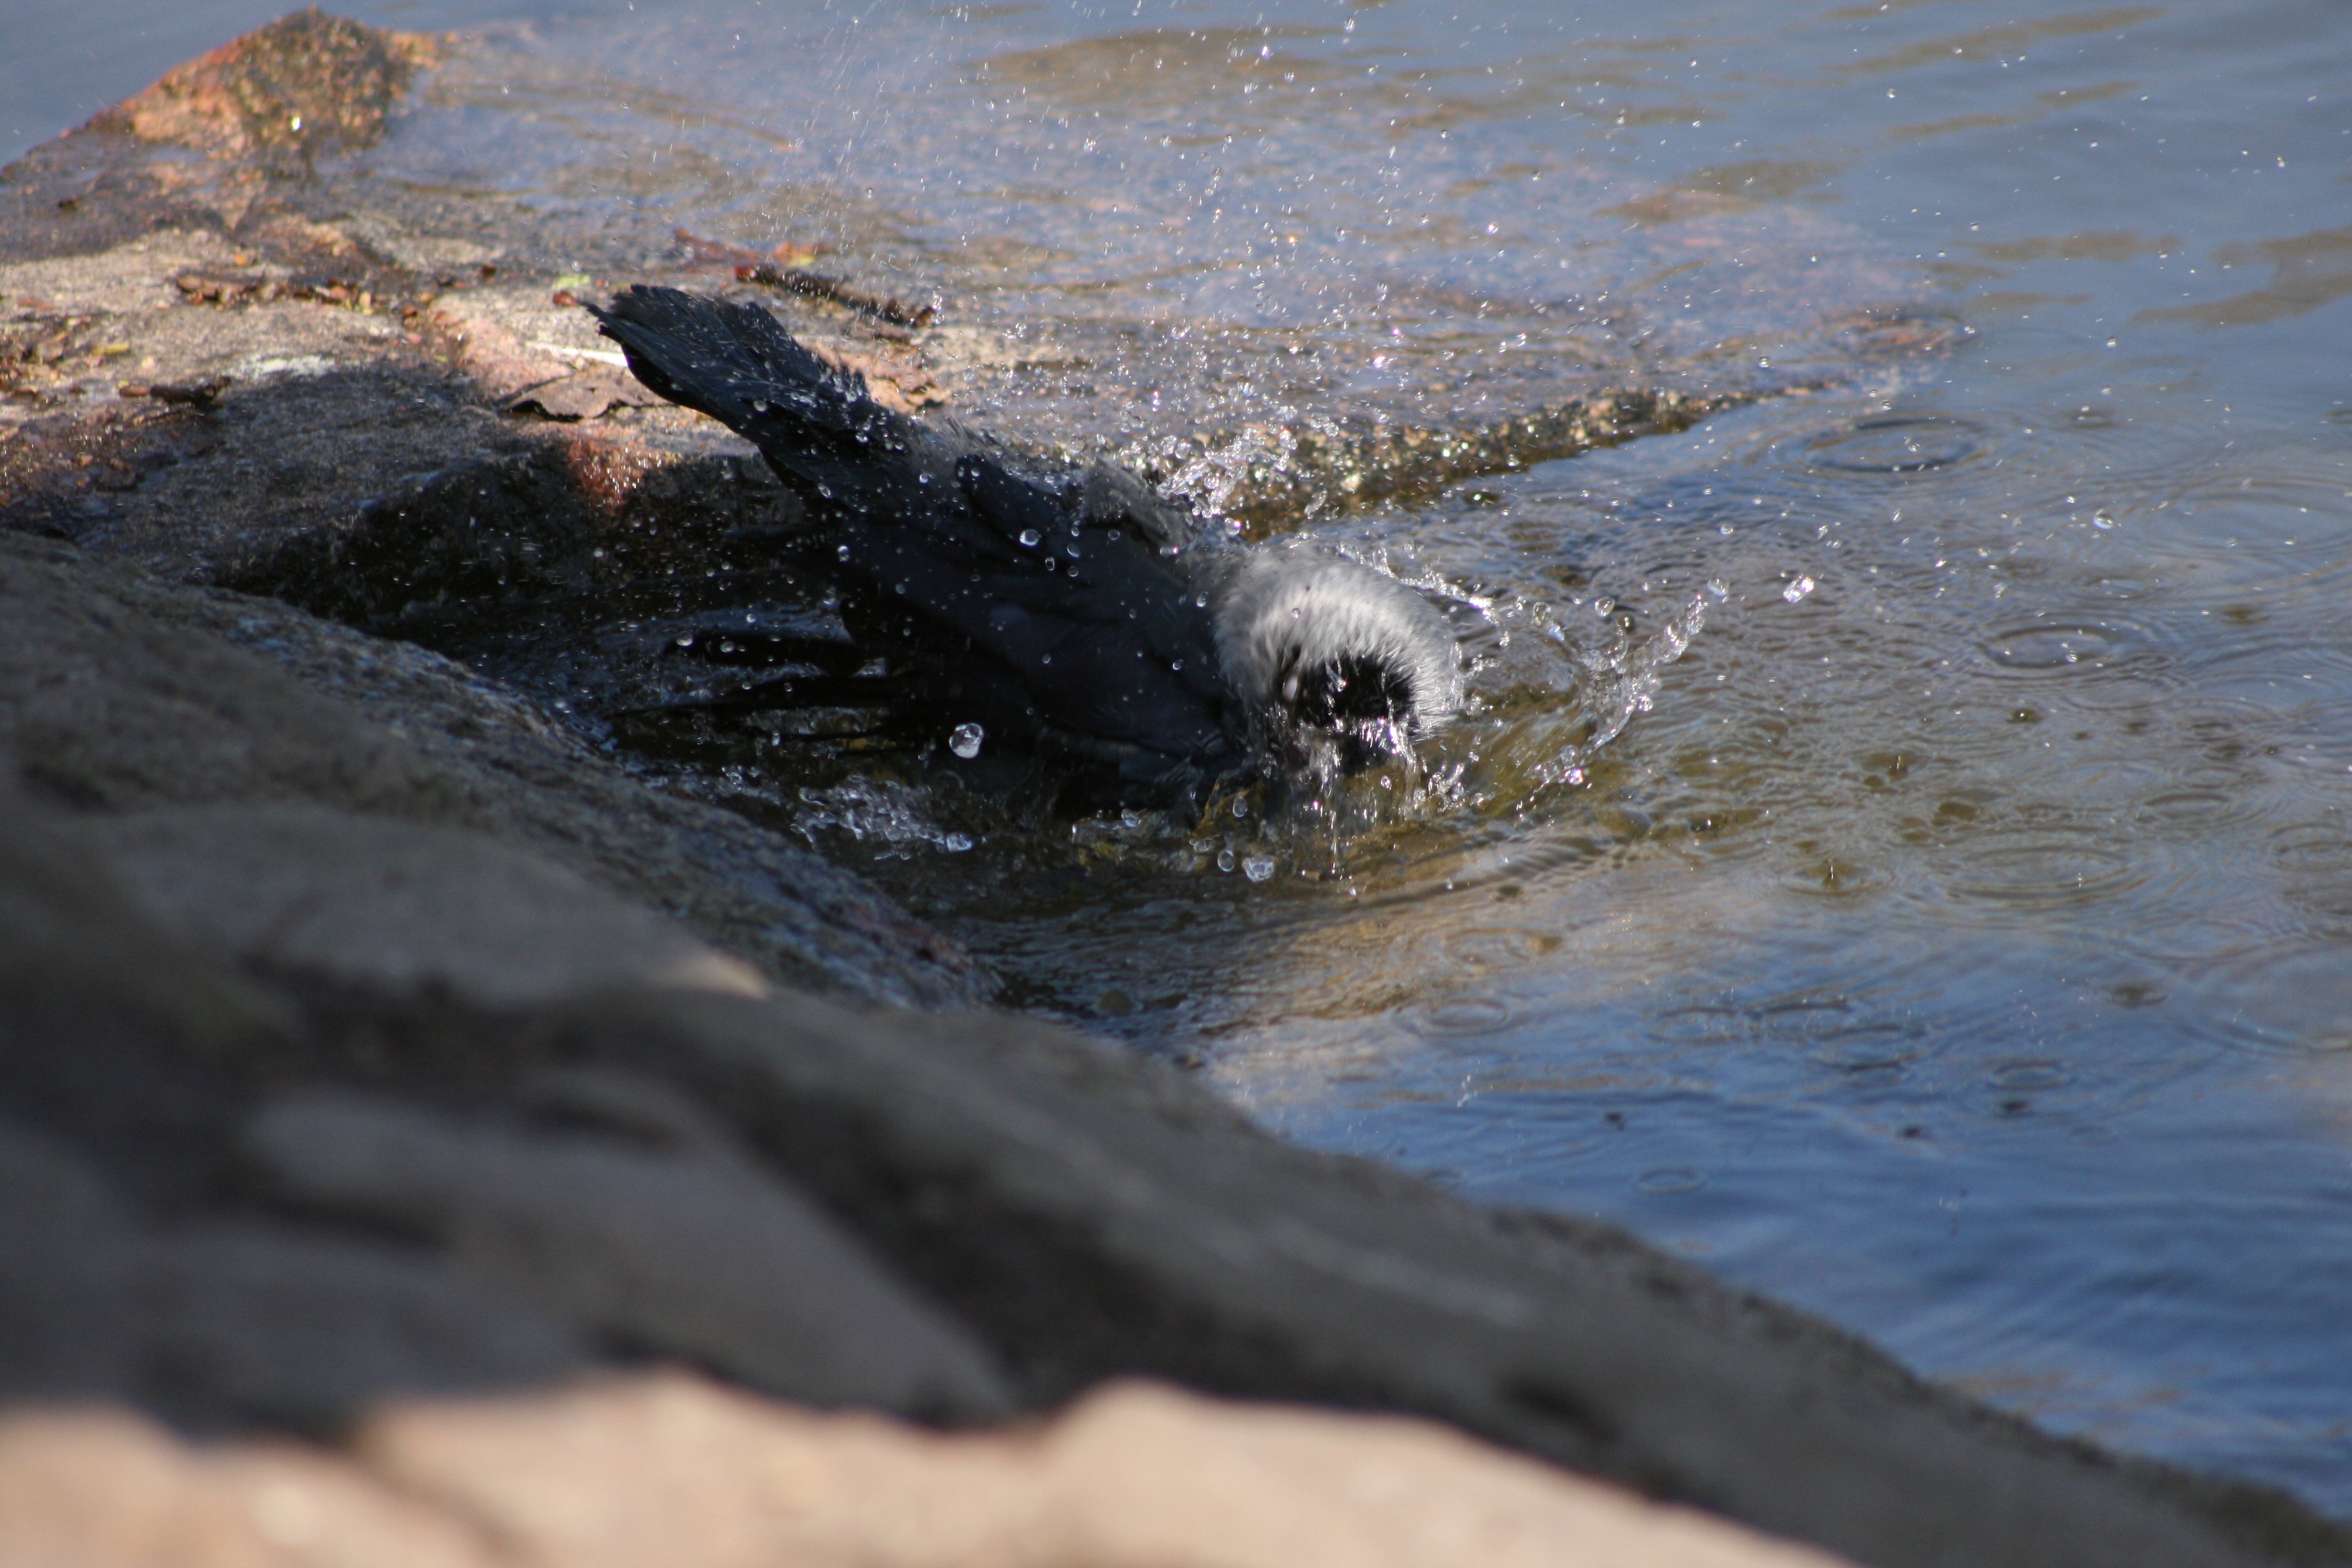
881 812
1212 479
1625 682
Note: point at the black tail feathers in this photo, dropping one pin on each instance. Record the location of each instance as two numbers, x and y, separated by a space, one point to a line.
733 361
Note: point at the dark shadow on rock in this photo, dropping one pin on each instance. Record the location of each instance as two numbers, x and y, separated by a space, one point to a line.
185 698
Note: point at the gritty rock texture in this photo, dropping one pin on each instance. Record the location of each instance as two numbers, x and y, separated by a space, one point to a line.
385 1064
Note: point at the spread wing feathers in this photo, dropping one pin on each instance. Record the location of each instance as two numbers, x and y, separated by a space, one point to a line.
1077 581
1106 639
815 422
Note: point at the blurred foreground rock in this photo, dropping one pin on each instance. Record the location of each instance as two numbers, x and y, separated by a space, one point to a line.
670 1469
388 1077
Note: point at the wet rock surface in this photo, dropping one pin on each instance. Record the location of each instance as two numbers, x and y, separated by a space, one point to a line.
370 1037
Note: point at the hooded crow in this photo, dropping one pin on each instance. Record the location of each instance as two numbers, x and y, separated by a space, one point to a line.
1085 613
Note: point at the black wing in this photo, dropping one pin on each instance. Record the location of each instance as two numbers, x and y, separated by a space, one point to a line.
1075 582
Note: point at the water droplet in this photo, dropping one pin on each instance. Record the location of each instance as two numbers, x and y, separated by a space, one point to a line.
956 843
1719 588
842 553
1029 537
1258 867
965 740
686 639
1224 860
759 405
1797 590
1241 806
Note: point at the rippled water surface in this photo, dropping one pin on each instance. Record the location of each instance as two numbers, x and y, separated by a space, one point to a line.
1902 853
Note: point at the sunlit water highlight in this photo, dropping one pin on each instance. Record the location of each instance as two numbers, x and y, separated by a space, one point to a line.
1901 852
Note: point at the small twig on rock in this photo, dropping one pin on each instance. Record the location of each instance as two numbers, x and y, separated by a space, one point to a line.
701 252
193 394
817 286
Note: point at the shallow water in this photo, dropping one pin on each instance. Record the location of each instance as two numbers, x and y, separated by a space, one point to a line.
1956 938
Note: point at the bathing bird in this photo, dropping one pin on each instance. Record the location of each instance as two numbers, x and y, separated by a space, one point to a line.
1082 613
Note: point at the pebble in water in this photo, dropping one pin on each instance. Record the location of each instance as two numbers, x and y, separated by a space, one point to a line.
964 741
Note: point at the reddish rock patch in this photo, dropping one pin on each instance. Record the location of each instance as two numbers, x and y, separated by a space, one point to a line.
308 82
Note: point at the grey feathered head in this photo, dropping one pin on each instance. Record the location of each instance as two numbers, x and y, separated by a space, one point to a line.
1316 645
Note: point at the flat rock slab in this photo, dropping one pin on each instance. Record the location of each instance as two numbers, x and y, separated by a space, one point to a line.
397 905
